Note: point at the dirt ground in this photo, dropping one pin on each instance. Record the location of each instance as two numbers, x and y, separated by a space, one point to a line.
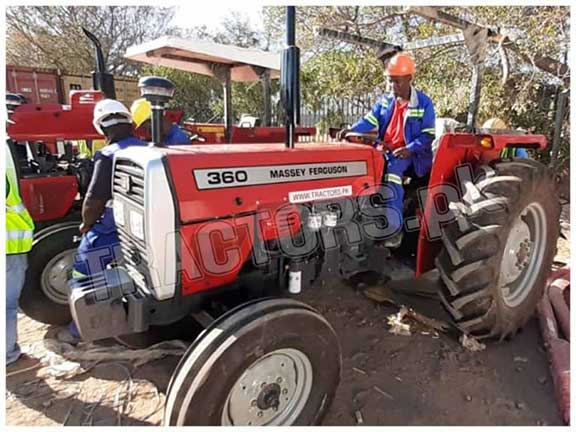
386 379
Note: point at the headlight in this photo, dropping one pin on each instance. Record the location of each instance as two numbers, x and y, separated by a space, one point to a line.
137 225
118 208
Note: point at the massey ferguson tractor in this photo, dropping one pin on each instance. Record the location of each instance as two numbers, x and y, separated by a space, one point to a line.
52 183
235 233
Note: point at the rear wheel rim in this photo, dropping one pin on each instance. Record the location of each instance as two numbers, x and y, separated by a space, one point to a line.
523 254
55 276
272 391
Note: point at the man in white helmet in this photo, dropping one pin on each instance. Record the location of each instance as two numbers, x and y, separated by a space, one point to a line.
99 241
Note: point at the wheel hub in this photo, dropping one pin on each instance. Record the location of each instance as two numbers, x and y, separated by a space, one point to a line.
523 254
55 276
269 397
272 391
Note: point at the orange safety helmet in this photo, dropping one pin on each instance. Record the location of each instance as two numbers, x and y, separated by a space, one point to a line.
402 64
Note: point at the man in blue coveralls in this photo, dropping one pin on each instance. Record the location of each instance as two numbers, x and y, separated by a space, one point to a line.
99 241
405 121
141 110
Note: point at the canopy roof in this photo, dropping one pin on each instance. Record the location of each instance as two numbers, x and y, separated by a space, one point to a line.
202 57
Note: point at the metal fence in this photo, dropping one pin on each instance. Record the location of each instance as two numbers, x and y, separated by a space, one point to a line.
329 112
340 112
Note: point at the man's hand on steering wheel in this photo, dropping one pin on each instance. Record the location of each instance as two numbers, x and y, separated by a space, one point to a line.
359 137
341 135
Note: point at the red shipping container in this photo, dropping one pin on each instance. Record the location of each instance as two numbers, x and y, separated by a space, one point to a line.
36 85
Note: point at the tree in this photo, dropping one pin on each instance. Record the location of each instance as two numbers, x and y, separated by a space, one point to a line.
238 31
333 68
51 36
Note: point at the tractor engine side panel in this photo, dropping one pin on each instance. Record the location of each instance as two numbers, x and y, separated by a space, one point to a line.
219 224
213 253
265 179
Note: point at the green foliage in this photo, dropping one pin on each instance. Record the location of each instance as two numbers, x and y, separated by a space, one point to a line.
344 74
195 94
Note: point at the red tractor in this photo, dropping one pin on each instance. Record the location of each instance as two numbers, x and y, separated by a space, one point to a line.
52 183
231 232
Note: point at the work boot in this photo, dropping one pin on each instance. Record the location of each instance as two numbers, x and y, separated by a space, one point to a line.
394 242
67 336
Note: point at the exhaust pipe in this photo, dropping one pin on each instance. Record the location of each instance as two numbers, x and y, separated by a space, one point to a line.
290 78
101 80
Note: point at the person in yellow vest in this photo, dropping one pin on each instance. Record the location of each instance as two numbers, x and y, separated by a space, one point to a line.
19 235
88 148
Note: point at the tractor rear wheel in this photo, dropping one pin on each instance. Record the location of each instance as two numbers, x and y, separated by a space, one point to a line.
499 250
267 362
44 296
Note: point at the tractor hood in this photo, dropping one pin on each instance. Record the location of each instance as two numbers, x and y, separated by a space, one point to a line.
218 181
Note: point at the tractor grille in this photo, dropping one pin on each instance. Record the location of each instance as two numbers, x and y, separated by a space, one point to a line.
134 258
129 187
129 181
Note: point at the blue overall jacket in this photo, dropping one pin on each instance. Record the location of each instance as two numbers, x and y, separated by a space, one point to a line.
419 126
106 225
176 136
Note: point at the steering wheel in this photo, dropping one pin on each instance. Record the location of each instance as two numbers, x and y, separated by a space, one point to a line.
198 137
361 138
35 165
368 139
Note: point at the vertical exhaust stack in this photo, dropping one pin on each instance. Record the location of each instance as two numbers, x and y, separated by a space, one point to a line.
290 78
101 80
158 91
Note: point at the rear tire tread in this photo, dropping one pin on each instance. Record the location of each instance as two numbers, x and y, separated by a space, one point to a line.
468 267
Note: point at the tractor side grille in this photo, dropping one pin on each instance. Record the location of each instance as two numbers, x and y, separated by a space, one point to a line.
128 187
129 180
134 257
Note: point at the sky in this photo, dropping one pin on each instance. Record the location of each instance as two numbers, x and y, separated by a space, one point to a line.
190 15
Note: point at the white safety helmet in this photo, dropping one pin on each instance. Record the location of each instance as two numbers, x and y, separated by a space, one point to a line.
106 108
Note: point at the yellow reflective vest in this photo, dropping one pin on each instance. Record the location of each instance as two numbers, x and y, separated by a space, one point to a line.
88 150
19 224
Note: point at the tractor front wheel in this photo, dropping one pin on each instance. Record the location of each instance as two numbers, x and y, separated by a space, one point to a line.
44 296
268 362
499 250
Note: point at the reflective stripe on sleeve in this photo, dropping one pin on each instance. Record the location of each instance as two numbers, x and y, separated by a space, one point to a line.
393 178
370 118
18 208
